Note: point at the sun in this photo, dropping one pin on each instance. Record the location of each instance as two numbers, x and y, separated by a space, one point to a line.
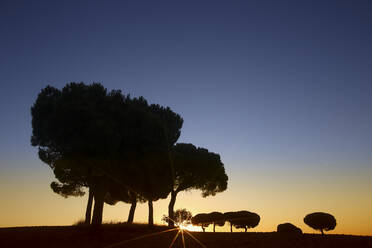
190 228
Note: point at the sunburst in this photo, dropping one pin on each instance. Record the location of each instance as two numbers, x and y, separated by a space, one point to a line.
181 230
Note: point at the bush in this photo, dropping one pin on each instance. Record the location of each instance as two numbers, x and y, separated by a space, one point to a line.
288 228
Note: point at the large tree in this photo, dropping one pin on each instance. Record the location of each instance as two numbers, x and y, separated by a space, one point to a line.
96 130
71 182
149 159
153 177
195 168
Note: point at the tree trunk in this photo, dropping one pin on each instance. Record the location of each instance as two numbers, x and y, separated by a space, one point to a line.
214 227
151 214
131 211
321 230
88 212
99 195
171 209
231 227
245 228
203 228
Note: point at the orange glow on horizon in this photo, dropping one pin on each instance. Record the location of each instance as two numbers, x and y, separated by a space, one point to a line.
190 227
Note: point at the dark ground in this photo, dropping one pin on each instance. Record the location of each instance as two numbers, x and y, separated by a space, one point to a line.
119 234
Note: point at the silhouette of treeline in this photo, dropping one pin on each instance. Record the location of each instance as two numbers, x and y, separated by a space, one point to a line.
239 219
245 219
319 221
118 147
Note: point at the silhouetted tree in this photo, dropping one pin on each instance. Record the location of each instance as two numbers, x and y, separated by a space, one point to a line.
155 161
320 221
96 130
216 218
181 216
202 220
288 228
118 192
71 181
242 219
195 168
154 179
77 124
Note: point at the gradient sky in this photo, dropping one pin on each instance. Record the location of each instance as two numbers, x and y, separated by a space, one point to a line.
280 89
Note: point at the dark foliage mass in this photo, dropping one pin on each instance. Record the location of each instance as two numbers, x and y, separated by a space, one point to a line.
288 228
195 168
320 221
242 219
202 220
239 219
91 137
120 148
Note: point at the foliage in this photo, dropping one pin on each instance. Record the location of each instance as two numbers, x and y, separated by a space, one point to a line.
242 219
86 134
288 228
202 220
181 216
196 168
320 221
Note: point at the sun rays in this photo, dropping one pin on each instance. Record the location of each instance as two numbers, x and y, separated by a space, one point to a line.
180 230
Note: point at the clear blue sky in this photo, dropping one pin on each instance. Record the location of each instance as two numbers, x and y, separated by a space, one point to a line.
278 88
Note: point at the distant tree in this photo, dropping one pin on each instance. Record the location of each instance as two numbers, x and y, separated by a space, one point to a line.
288 228
216 218
242 219
181 216
320 221
202 220
229 216
195 168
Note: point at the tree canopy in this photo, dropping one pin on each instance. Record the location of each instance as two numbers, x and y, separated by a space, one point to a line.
195 168
242 219
320 221
86 134
202 220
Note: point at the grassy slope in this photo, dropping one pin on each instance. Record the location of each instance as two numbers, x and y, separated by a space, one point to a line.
80 236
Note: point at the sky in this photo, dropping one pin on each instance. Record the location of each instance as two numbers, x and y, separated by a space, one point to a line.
280 89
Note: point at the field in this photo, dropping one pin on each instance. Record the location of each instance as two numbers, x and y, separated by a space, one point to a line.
122 235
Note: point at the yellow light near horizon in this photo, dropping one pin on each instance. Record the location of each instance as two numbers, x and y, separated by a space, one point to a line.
190 228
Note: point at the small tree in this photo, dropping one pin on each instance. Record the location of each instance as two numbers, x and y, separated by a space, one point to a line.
216 218
242 219
202 220
181 216
320 221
